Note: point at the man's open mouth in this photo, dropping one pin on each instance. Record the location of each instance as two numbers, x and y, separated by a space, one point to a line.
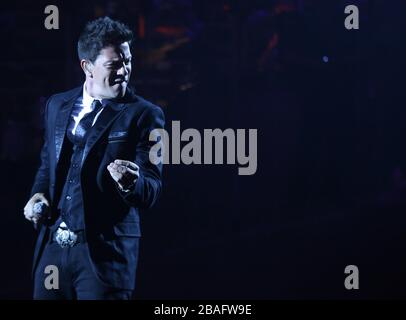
120 81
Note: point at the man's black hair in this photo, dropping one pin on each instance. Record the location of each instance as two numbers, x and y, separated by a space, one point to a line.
99 34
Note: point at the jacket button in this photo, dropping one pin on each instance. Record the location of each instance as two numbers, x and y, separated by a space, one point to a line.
68 197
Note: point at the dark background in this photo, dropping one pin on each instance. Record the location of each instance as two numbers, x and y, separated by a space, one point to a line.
328 103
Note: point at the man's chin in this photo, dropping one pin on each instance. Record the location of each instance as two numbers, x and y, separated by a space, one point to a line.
119 90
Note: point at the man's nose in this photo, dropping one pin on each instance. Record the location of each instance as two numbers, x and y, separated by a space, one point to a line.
123 70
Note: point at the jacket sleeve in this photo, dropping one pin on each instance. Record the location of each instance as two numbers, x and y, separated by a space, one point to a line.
148 185
41 181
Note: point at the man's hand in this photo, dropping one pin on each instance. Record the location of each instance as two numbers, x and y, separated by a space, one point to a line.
124 172
29 207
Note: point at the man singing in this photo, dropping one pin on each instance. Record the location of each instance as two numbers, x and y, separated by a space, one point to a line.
95 174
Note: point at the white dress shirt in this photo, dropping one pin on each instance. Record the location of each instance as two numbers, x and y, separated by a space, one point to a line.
86 104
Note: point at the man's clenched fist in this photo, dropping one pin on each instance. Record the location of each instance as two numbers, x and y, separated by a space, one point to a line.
124 172
29 211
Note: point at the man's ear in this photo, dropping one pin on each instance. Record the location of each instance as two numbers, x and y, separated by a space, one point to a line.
87 67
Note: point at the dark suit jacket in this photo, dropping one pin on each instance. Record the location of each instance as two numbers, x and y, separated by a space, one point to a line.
111 216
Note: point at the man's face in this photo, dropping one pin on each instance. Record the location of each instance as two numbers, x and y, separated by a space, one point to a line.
111 72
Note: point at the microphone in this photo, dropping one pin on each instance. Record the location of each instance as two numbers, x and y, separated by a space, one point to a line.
41 209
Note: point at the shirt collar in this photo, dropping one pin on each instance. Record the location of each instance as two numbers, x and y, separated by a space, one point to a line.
87 98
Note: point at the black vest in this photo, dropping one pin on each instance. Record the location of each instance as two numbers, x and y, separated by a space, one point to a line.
71 201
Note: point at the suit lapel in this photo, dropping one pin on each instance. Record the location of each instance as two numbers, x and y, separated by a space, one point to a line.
61 124
110 112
